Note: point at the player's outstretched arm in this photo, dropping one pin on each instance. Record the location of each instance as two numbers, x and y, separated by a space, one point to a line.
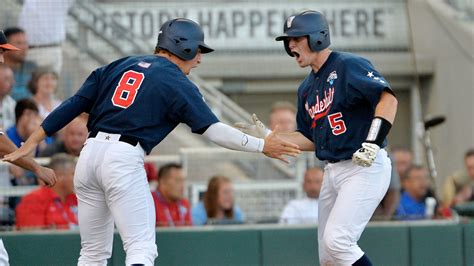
9 148
275 146
259 130
299 139
385 112
27 147
231 138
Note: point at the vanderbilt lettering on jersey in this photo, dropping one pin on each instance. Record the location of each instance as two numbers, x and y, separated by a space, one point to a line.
339 99
321 107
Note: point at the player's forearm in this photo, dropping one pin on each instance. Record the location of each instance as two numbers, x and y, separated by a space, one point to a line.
231 138
299 139
387 107
7 146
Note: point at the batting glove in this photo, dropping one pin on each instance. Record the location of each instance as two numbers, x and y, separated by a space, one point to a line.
365 156
258 129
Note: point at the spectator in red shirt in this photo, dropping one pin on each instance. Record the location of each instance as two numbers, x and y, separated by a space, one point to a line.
151 175
51 208
170 206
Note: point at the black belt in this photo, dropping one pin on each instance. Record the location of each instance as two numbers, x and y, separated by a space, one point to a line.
123 138
336 161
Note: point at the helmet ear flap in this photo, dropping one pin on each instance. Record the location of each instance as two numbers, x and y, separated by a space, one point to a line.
319 41
184 48
190 51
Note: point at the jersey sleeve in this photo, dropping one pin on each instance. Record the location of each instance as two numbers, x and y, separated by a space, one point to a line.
303 122
65 113
90 87
82 101
363 82
188 106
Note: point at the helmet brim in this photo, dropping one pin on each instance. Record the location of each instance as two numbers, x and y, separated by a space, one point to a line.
204 48
282 38
290 35
9 47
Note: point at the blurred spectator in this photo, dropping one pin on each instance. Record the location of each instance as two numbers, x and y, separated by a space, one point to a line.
403 158
391 200
413 200
45 23
7 104
217 206
73 139
458 187
305 211
172 209
16 60
27 120
51 208
43 85
283 114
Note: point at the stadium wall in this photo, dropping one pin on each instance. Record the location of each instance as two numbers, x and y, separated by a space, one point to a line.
413 244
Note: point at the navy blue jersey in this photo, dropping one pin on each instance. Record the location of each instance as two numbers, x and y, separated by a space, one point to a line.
336 105
144 97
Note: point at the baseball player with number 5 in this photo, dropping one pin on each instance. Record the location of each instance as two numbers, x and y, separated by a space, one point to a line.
133 104
345 111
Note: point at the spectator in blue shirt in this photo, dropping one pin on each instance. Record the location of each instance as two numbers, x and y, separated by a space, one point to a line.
217 206
27 120
415 185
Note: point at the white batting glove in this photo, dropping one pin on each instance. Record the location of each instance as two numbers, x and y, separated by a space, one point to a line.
365 156
258 129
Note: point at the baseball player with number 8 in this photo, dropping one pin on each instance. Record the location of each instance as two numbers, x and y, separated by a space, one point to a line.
345 111
133 104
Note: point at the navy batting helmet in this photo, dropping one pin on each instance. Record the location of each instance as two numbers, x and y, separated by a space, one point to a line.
182 37
307 23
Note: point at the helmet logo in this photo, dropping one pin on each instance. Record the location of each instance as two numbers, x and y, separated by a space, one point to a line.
289 21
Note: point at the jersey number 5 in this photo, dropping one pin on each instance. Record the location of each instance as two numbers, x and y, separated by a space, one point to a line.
337 124
127 89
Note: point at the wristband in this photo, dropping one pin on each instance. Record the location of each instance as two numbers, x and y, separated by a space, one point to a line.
378 130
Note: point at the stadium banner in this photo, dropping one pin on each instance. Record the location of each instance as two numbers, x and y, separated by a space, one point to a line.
253 26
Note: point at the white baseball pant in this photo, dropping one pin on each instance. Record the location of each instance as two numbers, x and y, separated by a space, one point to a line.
111 186
3 255
348 198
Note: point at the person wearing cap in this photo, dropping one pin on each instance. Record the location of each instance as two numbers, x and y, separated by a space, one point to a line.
5 46
19 63
6 146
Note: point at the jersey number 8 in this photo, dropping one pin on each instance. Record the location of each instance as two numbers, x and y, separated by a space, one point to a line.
337 124
127 89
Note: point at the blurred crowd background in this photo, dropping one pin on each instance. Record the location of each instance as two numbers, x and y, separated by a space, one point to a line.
423 48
